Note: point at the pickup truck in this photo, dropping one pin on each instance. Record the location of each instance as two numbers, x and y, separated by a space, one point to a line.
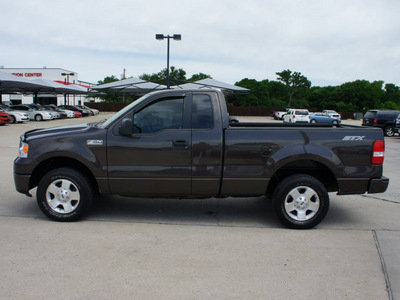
181 144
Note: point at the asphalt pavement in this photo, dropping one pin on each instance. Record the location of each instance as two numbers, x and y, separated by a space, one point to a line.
135 248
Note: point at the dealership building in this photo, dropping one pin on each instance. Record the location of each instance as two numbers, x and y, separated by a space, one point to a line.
58 75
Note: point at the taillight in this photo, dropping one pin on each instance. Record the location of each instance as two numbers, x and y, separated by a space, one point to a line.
378 153
294 116
376 121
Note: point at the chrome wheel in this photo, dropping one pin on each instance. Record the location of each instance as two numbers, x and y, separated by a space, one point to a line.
63 196
389 131
302 203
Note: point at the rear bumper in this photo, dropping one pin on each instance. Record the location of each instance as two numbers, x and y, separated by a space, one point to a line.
362 185
378 185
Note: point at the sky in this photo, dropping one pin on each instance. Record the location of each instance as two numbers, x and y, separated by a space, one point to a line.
329 41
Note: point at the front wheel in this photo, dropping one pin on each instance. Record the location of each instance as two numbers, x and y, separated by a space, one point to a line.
38 117
64 194
301 201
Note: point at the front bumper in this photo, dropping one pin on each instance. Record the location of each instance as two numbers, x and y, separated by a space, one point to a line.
22 183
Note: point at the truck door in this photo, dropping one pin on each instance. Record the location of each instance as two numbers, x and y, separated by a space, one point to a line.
156 159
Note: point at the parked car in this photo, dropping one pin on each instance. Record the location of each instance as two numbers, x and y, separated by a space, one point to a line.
297 116
369 117
62 114
332 113
15 115
67 112
323 118
4 118
34 113
77 114
386 119
84 112
54 114
93 110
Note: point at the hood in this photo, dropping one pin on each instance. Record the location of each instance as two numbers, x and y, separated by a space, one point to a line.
57 131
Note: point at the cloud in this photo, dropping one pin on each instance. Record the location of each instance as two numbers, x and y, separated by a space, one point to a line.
330 42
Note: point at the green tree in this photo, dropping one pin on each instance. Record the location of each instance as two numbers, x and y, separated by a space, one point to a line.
108 95
198 76
176 76
294 82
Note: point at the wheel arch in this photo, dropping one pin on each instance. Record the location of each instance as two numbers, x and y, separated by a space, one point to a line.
305 166
61 162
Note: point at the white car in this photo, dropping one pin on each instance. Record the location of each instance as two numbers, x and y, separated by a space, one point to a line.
70 113
16 116
33 113
94 111
332 113
297 116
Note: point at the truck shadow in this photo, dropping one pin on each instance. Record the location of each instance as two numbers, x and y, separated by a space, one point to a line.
241 212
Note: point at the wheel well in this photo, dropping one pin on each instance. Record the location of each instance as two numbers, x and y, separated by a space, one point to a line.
309 167
61 162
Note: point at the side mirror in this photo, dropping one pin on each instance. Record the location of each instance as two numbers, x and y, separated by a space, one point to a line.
125 129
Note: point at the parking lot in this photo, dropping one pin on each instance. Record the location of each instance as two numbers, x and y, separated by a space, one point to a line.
134 248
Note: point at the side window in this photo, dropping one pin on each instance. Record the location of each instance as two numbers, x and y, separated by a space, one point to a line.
202 112
163 114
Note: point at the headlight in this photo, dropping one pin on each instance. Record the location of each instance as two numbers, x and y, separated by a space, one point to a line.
23 150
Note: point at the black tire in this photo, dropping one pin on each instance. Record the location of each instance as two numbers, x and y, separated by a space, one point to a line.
313 121
64 194
13 120
388 131
334 122
38 117
301 201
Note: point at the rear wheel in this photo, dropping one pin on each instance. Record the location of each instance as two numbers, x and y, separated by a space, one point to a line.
301 201
64 194
13 120
313 121
388 131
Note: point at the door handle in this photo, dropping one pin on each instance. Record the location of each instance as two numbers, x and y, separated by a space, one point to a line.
179 144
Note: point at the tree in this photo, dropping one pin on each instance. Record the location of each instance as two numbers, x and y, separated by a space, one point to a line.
294 81
198 76
176 76
107 95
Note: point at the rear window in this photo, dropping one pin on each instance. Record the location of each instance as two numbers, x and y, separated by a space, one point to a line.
370 114
302 112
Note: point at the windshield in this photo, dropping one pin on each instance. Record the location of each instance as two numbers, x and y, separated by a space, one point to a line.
124 111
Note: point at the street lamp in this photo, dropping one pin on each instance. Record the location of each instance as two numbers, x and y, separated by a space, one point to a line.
66 80
160 37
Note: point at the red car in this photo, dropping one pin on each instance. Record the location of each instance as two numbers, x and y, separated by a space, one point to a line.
77 114
4 118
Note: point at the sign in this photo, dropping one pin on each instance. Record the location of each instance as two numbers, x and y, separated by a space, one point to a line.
29 75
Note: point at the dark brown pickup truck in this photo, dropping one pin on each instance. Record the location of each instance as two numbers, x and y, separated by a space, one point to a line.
181 144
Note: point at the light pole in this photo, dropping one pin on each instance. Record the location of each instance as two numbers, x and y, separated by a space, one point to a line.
176 37
66 80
